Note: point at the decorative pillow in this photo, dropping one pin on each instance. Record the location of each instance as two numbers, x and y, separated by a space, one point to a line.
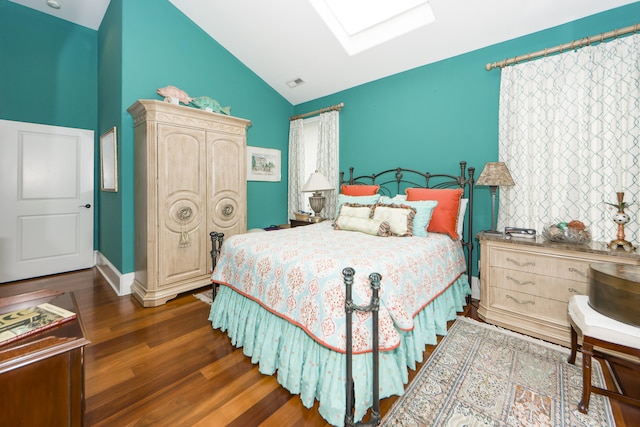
364 225
398 199
356 210
463 211
445 216
399 217
424 211
359 190
361 200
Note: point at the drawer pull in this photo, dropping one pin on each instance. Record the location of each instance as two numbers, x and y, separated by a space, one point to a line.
518 282
575 270
520 264
521 302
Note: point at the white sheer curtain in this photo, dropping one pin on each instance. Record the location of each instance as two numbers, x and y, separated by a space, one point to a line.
569 132
328 145
296 158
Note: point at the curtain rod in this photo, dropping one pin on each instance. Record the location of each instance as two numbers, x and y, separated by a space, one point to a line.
566 46
336 107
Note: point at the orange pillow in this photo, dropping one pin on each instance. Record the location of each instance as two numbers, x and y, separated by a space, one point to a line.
445 216
359 190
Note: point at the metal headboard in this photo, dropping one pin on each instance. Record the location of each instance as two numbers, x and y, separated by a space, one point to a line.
395 181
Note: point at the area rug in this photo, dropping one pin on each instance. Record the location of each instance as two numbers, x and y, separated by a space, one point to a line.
482 375
206 296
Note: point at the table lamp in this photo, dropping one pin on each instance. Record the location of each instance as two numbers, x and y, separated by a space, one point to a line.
317 183
495 174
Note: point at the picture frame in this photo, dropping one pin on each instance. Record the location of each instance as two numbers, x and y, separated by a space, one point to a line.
109 161
263 164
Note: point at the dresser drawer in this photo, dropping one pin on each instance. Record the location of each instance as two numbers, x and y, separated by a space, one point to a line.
530 305
535 284
557 267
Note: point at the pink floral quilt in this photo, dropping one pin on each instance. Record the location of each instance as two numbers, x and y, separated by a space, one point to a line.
296 274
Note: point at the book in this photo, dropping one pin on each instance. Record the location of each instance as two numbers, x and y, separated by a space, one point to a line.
27 321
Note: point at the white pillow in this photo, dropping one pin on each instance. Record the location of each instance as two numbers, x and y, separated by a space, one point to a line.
356 210
461 214
399 217
364 225
362 200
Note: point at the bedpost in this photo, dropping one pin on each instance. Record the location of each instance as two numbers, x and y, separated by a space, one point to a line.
216 246
374 279
347 274
469 182
374 305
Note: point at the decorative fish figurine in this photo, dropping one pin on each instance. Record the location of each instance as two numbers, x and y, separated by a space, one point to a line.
206 103
174 95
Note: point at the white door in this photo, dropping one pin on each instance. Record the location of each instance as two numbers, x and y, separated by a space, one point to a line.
46 193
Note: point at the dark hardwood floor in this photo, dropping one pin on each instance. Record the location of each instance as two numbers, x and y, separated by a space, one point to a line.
166 366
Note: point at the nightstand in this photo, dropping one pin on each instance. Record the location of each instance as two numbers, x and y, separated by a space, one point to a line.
525 284
299 223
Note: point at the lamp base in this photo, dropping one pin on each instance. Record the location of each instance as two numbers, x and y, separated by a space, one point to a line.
316 201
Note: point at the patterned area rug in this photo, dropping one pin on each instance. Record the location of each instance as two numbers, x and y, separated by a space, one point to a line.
206 296
481 375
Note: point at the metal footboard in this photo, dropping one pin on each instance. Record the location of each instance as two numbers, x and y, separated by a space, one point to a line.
374 304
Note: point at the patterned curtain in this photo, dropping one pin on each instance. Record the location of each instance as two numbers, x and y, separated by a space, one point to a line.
296 158
328 144
569 132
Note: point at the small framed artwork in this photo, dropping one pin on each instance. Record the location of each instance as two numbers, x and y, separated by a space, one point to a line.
263 164
109 161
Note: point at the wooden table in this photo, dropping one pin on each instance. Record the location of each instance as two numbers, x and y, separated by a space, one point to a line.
42 376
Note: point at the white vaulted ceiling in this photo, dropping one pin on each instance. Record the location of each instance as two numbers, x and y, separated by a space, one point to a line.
285 40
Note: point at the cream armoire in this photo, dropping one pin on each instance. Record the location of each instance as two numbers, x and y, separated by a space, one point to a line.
190 179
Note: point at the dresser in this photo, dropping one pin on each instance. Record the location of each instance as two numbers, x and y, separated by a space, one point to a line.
190 179
525 284
42 375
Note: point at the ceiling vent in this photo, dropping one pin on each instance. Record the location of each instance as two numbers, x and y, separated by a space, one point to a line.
295 82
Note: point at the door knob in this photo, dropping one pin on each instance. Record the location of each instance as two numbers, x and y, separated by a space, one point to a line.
85 206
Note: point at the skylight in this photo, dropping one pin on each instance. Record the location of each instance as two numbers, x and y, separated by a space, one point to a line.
362 24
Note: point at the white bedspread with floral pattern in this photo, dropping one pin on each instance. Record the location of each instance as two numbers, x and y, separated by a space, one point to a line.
297 274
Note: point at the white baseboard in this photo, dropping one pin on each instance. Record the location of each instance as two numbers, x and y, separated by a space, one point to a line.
120 283
475 287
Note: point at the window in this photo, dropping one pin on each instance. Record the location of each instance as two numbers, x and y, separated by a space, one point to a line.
310 153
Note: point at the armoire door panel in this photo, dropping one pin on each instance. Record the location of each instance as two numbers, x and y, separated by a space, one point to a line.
227 184
184 256
181 191
180 168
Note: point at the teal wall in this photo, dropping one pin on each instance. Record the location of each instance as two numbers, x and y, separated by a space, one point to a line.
47 69
434 116
112 210
428 118
148 44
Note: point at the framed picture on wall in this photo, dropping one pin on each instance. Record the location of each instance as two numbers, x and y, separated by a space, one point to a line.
109 161
263 164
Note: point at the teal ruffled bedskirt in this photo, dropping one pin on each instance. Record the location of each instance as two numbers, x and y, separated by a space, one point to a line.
307 368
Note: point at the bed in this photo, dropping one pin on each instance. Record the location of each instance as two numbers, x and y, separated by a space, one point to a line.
281 294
